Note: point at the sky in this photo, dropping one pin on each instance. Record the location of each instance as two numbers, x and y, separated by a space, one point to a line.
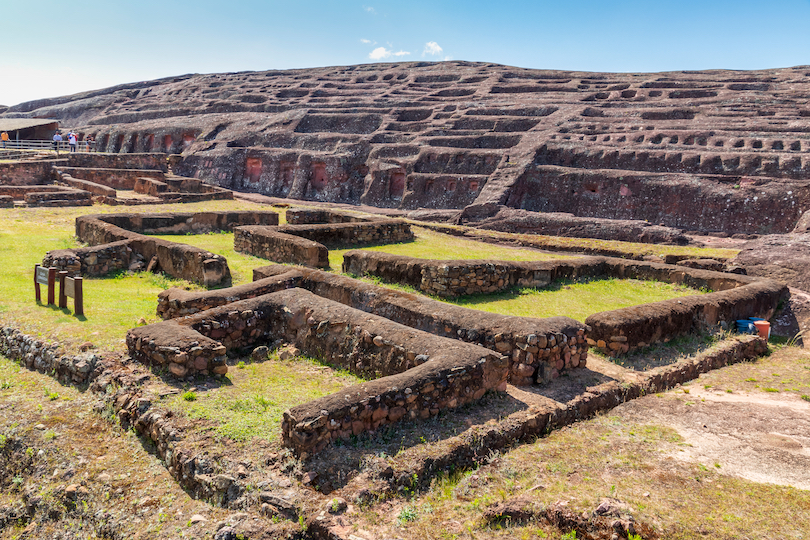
52 48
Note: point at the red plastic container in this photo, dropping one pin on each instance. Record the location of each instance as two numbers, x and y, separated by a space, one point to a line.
764 329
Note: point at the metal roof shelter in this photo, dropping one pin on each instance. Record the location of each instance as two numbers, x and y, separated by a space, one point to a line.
29 128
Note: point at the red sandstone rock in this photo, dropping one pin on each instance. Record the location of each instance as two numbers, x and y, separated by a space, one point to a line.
712 150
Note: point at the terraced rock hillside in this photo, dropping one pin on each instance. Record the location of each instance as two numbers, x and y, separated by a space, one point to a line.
702 151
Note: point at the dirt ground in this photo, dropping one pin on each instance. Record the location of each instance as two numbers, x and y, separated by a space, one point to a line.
759 434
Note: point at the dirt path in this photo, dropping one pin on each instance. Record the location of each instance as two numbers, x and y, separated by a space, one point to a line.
758 436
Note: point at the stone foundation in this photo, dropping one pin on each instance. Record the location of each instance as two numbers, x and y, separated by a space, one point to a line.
269 243
613 332
307 243
118 238
421 373
538 349
457 278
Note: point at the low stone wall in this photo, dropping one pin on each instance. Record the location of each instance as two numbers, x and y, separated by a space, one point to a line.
93 228
539 349
178 260
308 244
613 332
302 216
64 197
421 373
457 278
153 161
18 193
618 331
92 187
93 261
474 446
6 201
113 178
46 357
150 186
175 302
269 243
338 235
28 173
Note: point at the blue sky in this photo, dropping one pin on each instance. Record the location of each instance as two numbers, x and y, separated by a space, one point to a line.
51 48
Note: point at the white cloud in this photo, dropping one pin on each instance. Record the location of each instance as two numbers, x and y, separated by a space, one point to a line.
370 9
432 48
381 53
366 41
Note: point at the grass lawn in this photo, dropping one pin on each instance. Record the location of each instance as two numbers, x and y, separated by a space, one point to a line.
112 305
433 245
250 404
577 299
117 303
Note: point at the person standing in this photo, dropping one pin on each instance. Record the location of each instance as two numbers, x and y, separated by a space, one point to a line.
88 143
72 140
4 138
57 138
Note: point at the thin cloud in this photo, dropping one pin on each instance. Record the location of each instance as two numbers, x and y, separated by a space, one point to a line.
432 48
381 53
370 9
366 41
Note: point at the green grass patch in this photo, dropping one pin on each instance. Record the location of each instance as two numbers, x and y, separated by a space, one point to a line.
430 244
250 404
221 243
112 304
575 299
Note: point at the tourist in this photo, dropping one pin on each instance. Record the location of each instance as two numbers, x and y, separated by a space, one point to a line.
72 140
57 138
4 138
88 143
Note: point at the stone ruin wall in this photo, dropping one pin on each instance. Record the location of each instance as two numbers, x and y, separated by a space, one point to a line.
420 373
452 134
538 349
308 243
612 332
117 240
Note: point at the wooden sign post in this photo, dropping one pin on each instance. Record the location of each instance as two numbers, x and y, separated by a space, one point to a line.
71 288
45 276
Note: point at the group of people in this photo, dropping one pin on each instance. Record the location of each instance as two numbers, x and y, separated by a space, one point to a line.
73 141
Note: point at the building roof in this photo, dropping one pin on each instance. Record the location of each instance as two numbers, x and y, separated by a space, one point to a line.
14 124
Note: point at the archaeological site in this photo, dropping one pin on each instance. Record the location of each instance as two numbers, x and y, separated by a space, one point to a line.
409 300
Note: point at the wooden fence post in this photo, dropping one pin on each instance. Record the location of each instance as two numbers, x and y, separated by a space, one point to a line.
37 292
62 296
78 298
51 286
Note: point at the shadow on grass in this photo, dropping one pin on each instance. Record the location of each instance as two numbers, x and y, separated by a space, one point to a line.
570 384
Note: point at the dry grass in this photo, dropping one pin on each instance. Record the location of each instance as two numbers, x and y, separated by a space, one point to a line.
606 457
785 371
81 446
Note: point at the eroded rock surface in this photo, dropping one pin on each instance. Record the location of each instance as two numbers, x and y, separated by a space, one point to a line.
783 257
700 150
